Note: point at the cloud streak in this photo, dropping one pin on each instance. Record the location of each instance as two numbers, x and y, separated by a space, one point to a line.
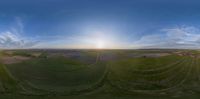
12 40
176 37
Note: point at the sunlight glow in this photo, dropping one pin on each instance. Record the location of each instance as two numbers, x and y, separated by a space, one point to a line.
100 44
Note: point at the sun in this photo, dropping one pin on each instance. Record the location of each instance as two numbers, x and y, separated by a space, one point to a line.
100 44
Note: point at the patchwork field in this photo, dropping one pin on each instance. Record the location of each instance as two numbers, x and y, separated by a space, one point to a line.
99 74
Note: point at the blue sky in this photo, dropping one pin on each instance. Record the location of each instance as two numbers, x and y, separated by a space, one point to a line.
104 23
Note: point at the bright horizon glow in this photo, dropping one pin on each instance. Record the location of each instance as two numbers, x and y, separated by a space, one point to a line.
100 44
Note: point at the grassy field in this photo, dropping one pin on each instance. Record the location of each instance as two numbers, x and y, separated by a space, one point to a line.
100 74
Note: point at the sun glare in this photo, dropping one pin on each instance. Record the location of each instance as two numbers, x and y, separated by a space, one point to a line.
100 44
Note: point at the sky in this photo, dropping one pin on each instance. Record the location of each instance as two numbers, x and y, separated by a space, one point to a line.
109 24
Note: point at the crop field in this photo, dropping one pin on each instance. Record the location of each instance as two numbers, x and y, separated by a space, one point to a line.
100 74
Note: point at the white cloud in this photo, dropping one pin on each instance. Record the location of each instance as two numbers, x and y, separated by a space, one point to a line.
12 40
177 37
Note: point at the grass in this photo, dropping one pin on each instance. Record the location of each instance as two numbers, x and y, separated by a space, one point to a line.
22 53
67 73
7 83
124 78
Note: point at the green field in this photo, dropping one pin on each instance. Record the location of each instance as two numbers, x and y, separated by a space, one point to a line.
100 74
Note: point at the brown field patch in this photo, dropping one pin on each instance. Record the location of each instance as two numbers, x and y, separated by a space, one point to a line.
13 59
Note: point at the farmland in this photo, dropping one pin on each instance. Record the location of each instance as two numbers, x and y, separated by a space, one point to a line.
100 74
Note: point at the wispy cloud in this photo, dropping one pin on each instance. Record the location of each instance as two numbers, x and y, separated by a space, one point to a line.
12 40
176 37
19 24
